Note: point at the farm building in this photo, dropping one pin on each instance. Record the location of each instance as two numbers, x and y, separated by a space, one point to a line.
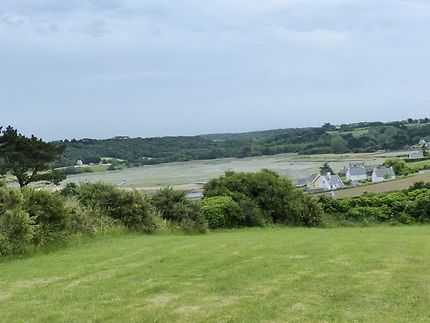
383 174
356 173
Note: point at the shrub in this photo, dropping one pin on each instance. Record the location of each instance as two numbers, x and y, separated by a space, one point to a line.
273 198
408 206
131 208
174 207
49 213
222 212
16 229
311 212
70 189
90 221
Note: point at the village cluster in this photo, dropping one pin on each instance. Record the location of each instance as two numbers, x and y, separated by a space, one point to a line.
355 174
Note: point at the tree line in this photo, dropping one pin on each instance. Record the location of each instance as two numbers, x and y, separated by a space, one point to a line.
359 137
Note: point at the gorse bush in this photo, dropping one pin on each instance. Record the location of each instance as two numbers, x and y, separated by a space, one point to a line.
16 226
131 208
49 213
174 207
266 197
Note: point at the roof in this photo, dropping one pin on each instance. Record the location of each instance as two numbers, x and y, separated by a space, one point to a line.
381 172
301 182
356 171
356 164
312 178
416 154
334 181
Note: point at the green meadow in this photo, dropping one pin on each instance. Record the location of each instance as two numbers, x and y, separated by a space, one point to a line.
378 274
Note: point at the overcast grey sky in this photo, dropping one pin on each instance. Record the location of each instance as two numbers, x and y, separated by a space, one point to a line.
99 68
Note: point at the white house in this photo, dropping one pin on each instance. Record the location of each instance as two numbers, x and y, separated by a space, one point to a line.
383 174
355 173
79 163
326 182
416 155
423 143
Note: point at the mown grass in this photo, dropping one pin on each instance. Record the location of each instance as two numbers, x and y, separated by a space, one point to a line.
277 274
419 164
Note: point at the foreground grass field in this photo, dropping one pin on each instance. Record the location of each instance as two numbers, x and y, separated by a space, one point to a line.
281 274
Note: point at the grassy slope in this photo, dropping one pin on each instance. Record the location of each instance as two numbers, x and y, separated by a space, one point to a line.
371 274
419 164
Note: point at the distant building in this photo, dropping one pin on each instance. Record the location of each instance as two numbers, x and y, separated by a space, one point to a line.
79 163
416 155
325 182
383 174
356 173
424 144
357 164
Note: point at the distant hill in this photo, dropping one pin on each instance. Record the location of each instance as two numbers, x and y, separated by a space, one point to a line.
357 137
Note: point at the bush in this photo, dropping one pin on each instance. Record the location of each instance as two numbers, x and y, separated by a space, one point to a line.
222 212
16 230
131 208
408 206
72 170
49 213
271 197
174 207
90 221
70 189
311 212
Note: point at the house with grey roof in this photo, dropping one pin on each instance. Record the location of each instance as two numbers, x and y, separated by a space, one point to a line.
325 182
416 155
356 173
304 182
383 174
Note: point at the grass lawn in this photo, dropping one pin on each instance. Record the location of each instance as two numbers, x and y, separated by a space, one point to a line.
277 274
419 164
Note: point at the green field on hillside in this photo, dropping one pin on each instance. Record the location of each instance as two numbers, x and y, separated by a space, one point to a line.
419 164
276 274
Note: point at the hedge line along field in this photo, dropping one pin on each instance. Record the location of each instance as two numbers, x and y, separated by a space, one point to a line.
344 274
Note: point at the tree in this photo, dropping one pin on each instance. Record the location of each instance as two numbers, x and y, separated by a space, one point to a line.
338 144
29 159
399 165
326 169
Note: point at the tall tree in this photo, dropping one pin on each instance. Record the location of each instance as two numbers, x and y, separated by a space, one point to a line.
29 159
338 144
326 169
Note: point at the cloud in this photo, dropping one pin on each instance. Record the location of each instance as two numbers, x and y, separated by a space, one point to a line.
289 62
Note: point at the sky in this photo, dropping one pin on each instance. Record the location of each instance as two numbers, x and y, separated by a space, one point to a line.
101 68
